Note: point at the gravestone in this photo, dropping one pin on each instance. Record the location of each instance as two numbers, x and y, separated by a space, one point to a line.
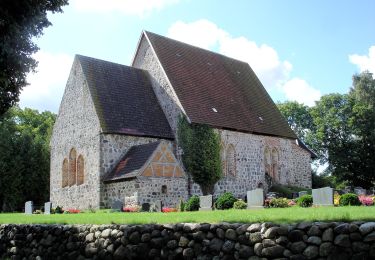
301 193
145 207
47 208
205 203
255 199
157 206
29 207
323 196
131 201
360 191
117 205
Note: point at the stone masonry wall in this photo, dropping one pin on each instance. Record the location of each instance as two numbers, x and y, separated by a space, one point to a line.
149 189
255 241
77 126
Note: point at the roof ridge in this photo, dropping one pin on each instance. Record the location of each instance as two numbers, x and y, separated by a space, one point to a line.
197 47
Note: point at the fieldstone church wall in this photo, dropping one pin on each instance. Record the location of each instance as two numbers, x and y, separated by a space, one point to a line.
77 126
307 240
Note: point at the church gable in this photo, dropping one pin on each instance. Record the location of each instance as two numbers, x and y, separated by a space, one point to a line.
147 160
163 164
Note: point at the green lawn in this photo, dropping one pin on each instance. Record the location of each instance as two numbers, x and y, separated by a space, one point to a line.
285 215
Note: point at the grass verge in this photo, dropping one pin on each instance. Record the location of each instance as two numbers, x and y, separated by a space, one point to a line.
276 215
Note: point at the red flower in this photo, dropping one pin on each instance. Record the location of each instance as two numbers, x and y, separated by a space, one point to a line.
167 210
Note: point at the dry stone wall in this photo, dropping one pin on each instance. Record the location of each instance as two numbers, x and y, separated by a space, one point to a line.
307 240
77 126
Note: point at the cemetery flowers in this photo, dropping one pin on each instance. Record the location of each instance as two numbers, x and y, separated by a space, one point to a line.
366 200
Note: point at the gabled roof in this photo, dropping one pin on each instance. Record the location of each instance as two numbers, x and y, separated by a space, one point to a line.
124 99
217 90
132 162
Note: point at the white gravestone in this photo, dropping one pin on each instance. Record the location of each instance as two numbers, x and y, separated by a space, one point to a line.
47 208
323 196
29 207
301 193
205 203
156 206
255 199
132 201
360 191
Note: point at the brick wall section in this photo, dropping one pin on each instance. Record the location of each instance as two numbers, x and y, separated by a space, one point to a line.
77 126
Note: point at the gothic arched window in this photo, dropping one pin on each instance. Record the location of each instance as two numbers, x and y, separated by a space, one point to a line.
231 161
65 173
72 167
80 170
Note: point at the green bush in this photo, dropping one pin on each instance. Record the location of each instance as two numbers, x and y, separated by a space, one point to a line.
225 201
349 199
181 206
59 210
240 204
305 201
278 203
192 204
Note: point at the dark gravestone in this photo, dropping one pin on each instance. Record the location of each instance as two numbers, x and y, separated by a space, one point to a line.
146 207
117 205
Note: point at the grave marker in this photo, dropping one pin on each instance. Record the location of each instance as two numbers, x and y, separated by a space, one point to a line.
301 193
255 199
29 207
117 205
205 203
47 208
323 196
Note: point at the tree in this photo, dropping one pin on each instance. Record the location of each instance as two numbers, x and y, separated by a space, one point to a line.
20 21
24 157
201 153
298 117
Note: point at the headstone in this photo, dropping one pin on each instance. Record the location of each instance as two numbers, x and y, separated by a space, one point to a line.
205 203
323 196
255 199
145 207
117 205
360 191
347 189
301 193
29 207
131 201
47 208
157 206
294 195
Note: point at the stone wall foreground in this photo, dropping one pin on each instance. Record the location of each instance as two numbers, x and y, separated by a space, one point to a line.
318 240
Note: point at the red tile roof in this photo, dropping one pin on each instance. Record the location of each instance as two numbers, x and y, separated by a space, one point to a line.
217 90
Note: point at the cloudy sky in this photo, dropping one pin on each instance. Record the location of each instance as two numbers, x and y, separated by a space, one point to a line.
300 50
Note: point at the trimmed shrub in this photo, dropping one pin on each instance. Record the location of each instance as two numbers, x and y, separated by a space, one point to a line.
305 201
240 204
225 201
192 204
278 203
349 199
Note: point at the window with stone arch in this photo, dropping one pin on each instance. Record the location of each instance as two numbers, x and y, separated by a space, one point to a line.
80 170
65 173
231 161
267 161
72 167
275 164
222 158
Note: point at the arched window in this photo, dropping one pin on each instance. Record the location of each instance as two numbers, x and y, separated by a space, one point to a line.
275 164
65 173
222 158
267 161
72 167
231 161
80 170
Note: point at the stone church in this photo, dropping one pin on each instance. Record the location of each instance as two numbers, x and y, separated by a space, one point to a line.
115 133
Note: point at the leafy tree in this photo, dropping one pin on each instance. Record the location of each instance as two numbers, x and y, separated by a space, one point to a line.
201 153
24 157
20 21
298 117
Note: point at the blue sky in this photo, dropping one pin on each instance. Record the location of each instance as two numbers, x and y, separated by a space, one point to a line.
300 50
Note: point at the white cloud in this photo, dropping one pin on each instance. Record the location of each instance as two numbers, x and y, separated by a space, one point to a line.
365 62
299 90
127 7
48 83
263 59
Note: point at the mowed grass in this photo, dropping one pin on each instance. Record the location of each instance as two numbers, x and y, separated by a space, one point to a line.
276 215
